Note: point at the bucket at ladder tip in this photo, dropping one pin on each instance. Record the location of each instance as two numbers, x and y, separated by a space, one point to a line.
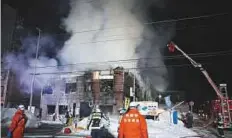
175 117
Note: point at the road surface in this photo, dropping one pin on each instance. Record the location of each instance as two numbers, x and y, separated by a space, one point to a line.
47 131
44 129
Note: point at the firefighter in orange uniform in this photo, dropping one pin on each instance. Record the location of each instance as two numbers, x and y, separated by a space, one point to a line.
133 124
18 123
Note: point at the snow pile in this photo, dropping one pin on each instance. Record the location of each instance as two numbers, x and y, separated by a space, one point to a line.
81 128
51 122
8 113
83 123
158 129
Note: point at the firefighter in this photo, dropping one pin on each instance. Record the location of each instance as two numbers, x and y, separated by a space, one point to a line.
189 119
220 125
18 123
133 124
98 123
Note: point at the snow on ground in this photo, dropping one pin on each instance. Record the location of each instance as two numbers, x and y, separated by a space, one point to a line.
158 129
51 122
8 113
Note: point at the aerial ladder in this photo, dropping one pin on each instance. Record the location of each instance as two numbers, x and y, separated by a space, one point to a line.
221 91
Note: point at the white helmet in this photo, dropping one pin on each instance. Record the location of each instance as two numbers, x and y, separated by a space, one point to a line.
96 108
133 104
21 107
122 111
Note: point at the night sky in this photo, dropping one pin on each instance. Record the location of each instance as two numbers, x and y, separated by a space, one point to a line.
193 36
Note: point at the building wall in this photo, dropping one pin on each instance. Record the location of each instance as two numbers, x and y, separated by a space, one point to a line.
4 84
60 97
8 20
8 24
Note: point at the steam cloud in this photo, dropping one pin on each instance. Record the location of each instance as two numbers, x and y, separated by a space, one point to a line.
102 31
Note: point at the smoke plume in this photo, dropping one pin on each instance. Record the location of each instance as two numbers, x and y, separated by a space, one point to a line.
101 31
23 62
114 30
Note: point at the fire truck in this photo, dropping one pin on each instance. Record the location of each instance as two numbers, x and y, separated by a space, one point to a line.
223 104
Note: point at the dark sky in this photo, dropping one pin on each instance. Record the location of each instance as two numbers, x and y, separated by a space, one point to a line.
193 36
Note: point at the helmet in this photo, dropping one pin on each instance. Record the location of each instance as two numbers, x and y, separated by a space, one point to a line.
21 107
133 104
96 108
122 111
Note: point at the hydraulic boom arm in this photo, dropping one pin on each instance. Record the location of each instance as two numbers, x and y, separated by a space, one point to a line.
172 46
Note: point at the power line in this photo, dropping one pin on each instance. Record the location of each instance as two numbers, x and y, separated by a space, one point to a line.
150 23
136 68
196 55
126 26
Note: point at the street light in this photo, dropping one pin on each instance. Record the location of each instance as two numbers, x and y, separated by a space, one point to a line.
33 77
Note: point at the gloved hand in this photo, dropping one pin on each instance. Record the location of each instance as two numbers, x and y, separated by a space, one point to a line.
9 134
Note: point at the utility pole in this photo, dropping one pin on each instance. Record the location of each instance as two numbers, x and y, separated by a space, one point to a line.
5 87
33 77
134 88
41 96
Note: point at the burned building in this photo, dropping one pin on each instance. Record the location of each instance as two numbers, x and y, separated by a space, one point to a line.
105 88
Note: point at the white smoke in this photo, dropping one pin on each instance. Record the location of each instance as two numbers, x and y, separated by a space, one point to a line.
23 63
99 33
106 30
102 31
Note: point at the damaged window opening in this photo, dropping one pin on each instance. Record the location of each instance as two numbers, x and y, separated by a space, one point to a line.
63 109
70 87
106 85
51 109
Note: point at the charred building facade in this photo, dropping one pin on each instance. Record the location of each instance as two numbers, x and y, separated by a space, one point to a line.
105 88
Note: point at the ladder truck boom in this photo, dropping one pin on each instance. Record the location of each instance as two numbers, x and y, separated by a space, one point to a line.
172 46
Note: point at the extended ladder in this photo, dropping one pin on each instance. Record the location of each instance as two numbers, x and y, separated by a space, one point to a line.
225 106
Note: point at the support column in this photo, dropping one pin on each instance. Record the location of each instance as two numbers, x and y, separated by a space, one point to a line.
118 87
96 87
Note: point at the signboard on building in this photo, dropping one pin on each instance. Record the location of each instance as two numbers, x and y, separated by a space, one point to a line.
47 90
106 77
